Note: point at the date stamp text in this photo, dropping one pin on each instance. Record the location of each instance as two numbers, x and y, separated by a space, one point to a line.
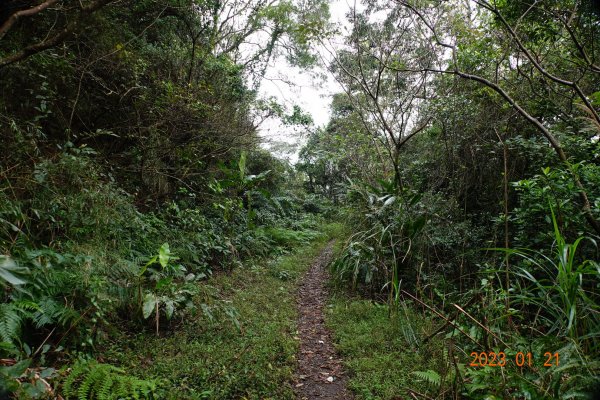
520 359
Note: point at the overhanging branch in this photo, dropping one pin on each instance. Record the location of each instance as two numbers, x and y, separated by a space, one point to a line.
58 38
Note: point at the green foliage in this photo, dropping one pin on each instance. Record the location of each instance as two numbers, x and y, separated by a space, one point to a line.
90 380
10 374
574 378
11 321
554 186
342 150
396 229
561 289
380 359
208 357
290 238
75 291
431 377
131 135
11 273
23 382
33 302
451 193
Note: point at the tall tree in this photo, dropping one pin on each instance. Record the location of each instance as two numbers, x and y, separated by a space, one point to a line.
473 43
388 101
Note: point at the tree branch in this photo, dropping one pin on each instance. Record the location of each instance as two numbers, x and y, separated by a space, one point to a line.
71 28
554 142
23 13
533 60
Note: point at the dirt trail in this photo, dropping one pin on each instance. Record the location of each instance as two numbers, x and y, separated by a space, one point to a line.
320 374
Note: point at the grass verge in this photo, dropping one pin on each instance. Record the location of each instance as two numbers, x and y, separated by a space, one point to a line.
215 359
381 351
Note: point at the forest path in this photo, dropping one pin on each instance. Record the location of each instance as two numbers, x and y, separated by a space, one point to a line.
320 374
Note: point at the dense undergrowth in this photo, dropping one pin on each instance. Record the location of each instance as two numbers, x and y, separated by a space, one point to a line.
448 314
253 356
138 210
466 345
87 269
131 174
467 169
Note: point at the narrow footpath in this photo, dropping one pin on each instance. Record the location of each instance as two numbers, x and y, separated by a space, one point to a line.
320 374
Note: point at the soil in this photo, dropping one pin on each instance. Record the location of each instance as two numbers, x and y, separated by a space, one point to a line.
320 373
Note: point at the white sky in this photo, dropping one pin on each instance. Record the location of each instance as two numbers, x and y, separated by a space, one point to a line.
309 91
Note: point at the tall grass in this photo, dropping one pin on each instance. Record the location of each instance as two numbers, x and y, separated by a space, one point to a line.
561 288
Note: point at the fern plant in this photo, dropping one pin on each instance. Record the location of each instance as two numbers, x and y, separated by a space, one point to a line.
11 320
432 378
90 380
449 373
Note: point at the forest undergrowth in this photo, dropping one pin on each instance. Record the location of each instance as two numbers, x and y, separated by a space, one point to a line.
252 356
151 237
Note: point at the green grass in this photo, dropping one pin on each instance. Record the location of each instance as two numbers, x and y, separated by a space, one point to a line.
216 360
379 354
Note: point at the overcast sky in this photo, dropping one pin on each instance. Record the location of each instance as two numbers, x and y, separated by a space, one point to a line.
311 93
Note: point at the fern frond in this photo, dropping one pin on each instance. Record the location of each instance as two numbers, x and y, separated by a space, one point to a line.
105 388
11 321
85 389
90 380
430 376
53 312
77 371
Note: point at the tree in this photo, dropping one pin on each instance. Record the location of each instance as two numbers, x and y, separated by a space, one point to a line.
463 32
342 150
387 101
163 90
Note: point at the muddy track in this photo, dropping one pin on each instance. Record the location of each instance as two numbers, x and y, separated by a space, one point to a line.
320 374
